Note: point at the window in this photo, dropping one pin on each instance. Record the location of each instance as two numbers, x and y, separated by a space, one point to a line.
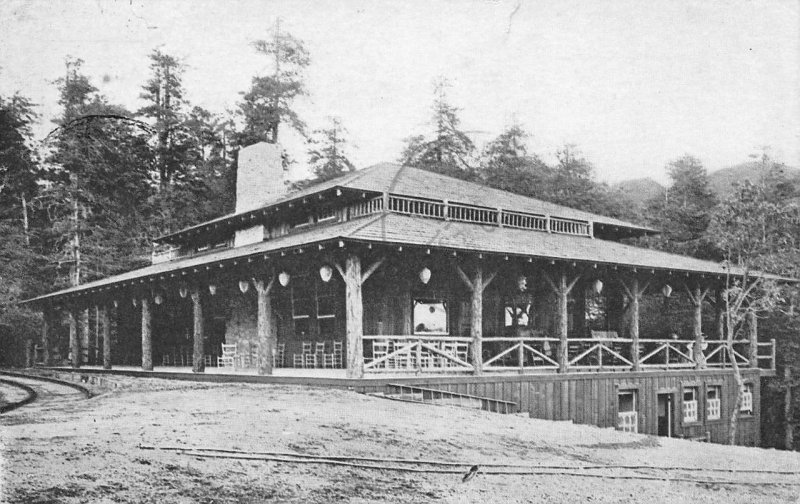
299 220
713 402
430 316
326 214
747 400
690 395
627 418
517 314
313 299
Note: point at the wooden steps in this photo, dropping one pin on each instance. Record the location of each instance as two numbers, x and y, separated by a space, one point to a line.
414 393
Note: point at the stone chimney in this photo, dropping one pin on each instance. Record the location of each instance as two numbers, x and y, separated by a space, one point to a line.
260 177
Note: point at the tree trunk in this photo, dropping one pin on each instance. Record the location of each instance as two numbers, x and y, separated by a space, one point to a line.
74 342
86 341
752 333
45 337
634 327
476 324
198 362
147 336
354 317
697 329
788 435
106 338
563 324
25 225
266 328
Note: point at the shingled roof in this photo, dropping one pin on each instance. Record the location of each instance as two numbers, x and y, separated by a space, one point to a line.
403 180
395 229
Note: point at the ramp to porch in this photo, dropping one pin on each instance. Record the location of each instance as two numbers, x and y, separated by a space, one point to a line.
414 393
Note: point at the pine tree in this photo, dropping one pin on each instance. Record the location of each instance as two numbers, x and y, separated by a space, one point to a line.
328 157
269 102
448 150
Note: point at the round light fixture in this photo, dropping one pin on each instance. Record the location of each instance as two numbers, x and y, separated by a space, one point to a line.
597 286
158 299
212 289
325 273
425 275
183 291
284 278
666 290
522 283
244 286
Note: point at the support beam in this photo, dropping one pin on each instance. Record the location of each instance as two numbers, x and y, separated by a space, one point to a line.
86 341
634 307
266 327
719 310
45 337
697 297
147 336
354 313
752 334
562 290
106 320
74 342
198 360
476 323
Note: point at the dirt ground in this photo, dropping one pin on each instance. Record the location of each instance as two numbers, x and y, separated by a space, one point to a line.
90 451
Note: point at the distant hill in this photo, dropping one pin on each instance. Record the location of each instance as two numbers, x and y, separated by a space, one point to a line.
722 180
640 190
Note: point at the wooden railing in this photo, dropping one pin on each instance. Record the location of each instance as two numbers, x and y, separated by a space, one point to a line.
532 354
367 207
506 354
431 354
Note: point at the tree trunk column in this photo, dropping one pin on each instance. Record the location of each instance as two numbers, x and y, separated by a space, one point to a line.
106 319
354 317
563 324
147 336
752 333
697 329
45 337
198 360
635 323
74 342
476 324
266 328
85 339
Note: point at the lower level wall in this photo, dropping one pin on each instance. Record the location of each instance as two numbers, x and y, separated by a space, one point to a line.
593 398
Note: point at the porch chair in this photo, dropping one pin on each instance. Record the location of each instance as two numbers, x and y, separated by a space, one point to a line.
315 359
338 352
277 357
328 360
243 356
165 359
228 357
255 360
300 359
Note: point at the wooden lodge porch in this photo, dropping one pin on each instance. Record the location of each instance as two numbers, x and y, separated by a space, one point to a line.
314 311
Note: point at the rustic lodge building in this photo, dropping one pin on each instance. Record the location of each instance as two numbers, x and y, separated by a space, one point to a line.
393 277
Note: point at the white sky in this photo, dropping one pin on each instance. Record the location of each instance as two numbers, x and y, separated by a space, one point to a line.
633 83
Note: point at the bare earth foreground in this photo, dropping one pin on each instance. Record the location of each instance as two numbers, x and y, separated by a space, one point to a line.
91 451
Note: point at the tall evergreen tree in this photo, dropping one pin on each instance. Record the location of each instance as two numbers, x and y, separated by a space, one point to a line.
448 150
328 157
685 211
269 102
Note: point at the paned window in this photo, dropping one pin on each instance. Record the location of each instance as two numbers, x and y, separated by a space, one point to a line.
627 417
713 402
690 395
747 399
430 316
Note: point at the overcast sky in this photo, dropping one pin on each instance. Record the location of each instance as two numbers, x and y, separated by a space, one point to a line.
633 83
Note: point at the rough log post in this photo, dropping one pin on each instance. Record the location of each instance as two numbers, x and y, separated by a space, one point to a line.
266 328
45 337
198 361
74 342
28 352
719 311
788 434
752 333
636 295
354 316
106 337
476 322
147 336
563 324
85 339
697 298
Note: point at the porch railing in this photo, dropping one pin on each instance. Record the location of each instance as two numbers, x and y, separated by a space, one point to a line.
430 354
384 353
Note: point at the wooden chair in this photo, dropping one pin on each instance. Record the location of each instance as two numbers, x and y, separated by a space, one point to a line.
302 359
338 354
277 357
243 354
255 359
228 357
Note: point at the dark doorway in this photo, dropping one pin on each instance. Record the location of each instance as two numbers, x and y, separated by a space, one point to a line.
665 415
